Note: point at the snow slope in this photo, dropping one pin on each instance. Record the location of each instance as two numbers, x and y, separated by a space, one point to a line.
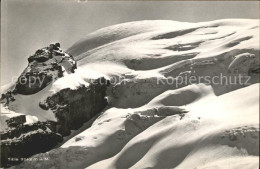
160 125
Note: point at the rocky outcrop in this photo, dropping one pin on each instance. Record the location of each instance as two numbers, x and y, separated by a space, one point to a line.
7 97
21 140
45 66
75 107
71 107
16 121
25 140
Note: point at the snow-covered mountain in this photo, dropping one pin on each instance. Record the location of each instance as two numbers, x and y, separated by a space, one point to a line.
131 102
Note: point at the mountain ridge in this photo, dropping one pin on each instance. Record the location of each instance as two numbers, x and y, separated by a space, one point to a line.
153 116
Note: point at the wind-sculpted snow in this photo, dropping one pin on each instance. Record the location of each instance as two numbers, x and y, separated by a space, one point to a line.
157 117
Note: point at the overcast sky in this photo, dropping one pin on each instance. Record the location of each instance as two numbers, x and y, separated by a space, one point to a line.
27 25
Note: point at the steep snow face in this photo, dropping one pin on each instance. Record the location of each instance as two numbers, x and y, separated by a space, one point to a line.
224 128
148 50
118 32
146 45
209 131
152 119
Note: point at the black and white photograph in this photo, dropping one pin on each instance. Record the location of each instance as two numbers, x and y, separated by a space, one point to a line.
129 84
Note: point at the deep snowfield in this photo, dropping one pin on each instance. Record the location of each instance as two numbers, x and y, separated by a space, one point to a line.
151 125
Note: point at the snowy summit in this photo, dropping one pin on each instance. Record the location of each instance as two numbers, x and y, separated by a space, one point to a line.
145 94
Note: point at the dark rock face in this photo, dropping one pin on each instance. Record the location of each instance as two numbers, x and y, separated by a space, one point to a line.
7 97
27 140
43 106
74 107
16 121
31 83
44 67
71 107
